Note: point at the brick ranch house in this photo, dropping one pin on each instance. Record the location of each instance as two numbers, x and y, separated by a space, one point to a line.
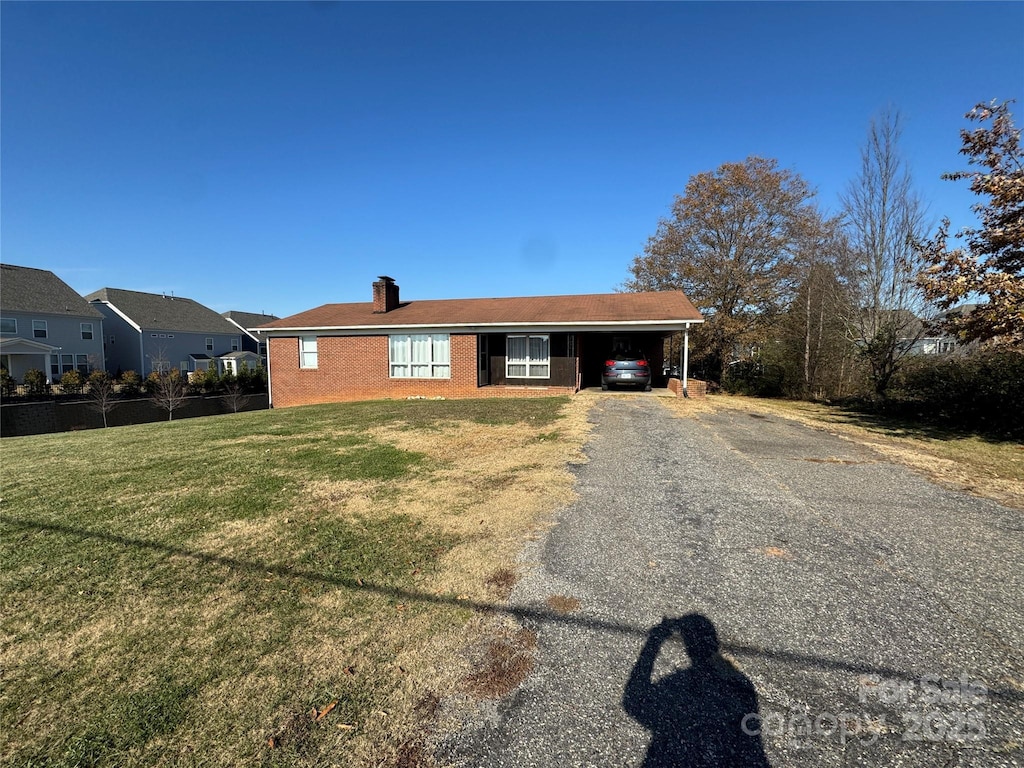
459 348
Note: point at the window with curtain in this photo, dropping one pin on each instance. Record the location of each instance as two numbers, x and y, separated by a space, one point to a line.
420 356
528 357
307 352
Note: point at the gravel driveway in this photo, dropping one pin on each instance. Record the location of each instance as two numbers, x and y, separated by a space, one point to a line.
864 615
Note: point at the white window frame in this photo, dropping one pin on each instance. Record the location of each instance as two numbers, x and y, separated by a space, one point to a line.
533 366
308 352
62 362
436 364
82 364
13 328
235 344
39 325
86 328
209 344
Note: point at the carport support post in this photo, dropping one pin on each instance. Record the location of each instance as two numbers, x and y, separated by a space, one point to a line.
686 358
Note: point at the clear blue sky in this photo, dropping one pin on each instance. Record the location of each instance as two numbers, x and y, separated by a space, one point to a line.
278 156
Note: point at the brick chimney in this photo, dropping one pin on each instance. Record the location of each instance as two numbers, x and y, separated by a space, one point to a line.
385 295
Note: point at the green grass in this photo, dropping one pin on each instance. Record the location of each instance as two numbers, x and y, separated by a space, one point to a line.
171 594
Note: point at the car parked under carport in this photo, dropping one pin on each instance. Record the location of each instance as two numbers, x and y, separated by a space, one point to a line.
627 367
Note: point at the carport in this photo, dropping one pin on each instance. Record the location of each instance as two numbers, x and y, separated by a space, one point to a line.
595 347
576 356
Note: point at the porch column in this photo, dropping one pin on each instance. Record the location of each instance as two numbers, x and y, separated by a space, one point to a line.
686 358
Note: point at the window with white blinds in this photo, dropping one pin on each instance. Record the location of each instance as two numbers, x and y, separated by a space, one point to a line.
420 356
307 352
528 357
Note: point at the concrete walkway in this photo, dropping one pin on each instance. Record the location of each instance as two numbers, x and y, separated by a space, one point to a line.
865 616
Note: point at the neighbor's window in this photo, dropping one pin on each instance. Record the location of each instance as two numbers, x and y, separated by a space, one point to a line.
307 352
528 357
234 344
209 345
82 364
420 356
39 329
8 325
87 331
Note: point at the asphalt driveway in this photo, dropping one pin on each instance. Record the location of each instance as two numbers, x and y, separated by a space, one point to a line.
864 615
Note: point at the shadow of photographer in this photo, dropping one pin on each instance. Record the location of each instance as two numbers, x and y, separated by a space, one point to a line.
696 715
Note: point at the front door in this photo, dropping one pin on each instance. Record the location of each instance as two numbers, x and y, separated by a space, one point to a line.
483 364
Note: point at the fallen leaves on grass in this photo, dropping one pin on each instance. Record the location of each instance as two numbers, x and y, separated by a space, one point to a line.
318 716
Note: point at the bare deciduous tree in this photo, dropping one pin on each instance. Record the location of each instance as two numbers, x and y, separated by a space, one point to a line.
167 387
102 394
814 331
234 396
884 220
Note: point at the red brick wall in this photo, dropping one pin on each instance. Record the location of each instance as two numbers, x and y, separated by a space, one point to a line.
356 368
694 387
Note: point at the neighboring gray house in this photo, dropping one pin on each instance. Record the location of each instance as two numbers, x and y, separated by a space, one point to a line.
148 331
45 325
252 340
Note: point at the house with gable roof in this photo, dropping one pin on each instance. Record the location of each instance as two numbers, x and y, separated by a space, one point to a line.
151 331
458 348
254 345
46 325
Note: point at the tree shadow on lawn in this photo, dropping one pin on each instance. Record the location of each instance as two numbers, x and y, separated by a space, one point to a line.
522 613
900 422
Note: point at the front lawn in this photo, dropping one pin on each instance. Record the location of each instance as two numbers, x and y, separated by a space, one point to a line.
270 588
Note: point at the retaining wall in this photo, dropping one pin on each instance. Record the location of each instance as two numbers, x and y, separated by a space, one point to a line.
42 417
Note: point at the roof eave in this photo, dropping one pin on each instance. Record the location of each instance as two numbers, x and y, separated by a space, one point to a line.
594 325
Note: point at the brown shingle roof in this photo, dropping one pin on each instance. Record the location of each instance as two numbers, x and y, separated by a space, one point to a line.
613 308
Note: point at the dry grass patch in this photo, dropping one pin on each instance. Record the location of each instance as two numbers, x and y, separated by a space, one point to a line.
562 604
502 581
506 663
688 406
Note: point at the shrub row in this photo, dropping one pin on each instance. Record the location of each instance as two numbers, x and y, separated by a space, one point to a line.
130 384
981 392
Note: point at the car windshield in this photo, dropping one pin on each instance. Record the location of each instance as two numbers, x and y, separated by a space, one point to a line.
627 355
